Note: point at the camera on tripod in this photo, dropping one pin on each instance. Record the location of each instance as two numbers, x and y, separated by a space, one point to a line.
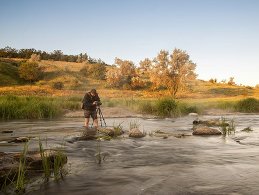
97 103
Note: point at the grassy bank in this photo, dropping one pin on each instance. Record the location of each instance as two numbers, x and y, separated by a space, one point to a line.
167 107
39 107
34 107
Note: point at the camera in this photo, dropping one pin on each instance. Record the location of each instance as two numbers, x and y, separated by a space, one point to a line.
98 103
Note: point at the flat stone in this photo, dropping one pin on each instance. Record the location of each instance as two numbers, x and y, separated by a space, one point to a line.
204 130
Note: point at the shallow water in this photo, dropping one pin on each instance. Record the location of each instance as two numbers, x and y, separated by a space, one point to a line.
150 165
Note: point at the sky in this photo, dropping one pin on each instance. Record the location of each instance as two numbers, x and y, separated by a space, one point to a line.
221 36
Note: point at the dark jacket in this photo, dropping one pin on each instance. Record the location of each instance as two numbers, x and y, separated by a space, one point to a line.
89 100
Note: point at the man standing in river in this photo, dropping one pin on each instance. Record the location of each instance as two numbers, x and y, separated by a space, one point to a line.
90 102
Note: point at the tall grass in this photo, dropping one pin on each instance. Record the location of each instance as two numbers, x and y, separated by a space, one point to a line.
20 183
59 161
247 105
33 107
46 164
166 107
227 128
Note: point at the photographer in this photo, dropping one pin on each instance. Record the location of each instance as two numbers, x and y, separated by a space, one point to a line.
90 102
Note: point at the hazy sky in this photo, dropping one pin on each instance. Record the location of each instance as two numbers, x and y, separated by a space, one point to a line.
221 36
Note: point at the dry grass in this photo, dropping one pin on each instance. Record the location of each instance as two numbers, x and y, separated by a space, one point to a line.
50 66
76 84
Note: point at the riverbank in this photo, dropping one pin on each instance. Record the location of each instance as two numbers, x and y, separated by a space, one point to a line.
123 112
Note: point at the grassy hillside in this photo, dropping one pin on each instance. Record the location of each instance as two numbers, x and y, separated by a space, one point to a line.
75 82
9 74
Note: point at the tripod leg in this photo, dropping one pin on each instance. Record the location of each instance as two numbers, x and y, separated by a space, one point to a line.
98 112
101 115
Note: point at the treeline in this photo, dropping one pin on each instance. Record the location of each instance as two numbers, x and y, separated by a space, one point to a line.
56 55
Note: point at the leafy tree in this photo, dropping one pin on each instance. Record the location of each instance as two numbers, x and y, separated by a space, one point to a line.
121 74
29 71
172 72
114 77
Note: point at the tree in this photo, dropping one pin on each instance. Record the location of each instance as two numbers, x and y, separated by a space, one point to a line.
29 71
34 58
95 71
172 72
114 77
121 74
231 81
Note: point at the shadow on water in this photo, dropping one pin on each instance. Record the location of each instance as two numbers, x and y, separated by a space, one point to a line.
150 165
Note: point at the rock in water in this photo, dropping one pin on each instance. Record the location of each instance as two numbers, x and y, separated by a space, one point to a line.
136 133
19 140
204 130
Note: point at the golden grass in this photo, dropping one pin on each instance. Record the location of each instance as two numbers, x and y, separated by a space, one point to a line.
68 73
51 66
30 90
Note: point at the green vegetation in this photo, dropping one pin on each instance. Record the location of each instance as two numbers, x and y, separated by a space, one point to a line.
227 128
134 124
56 55
20 183
165 107
117 129
9 74
33 107
30 71
59 161
45 161
248 105
247 129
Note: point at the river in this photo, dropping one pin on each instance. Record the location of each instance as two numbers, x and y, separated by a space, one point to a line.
149 165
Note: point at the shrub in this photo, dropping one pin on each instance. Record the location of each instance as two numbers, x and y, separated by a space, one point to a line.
30 71
58 85
167 107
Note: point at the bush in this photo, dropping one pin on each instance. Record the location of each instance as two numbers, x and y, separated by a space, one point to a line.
248 105
167 108
147 108
30 71
58 85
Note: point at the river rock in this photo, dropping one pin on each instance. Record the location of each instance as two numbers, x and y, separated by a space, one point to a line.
136 133
88 134
204 130
112 132
9 163
212 122
7 131
19 140
193 114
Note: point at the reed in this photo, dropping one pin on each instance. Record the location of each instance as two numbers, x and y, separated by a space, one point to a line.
98 154
227 128
20 183
46 164
118 129
59 161
134 124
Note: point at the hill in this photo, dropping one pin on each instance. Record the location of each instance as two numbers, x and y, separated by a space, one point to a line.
9 74
76 79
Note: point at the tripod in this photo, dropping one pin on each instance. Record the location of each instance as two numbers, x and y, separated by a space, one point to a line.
102 120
